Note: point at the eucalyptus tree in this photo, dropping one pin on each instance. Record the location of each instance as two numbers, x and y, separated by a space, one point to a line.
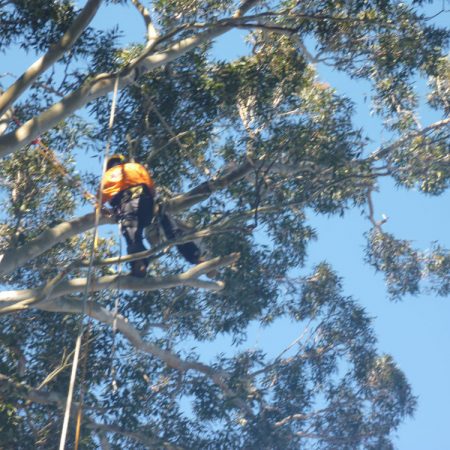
239 149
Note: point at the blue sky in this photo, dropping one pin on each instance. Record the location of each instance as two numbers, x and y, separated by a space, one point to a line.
416 330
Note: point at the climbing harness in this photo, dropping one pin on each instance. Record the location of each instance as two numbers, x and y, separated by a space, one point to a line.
88 282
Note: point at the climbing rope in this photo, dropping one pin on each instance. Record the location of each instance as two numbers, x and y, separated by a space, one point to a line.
83 385
88 279
116 312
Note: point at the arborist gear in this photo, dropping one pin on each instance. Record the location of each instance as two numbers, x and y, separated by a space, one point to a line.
173 229
129 189
76 352
121 175
113 160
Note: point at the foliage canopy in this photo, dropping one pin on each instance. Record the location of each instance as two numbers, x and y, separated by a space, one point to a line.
240 150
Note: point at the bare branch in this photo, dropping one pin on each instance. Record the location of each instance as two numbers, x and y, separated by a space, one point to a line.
290 418
100 85
267 26
152 34
204 190
383 151
375 223
48 88
14 258
101 314
338 440
166 125
26 297
289 13
135 435
104 443
55 52
65 363
245 6
158 249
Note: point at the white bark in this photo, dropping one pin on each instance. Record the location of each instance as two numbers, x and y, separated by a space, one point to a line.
14 258
55 52
26 297
383 151
152 33
101 314
99 86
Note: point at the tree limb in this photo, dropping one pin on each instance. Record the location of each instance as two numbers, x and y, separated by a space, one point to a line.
55 52
101 314
14 258
8 385
204 190
383 151
245 6
99 86
152 34
149 442
4 120
123 282
377 224
159 248
104 443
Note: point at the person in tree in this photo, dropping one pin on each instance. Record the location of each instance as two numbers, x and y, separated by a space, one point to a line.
129 189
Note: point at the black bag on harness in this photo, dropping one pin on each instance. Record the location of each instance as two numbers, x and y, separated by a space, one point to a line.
167 228
190 251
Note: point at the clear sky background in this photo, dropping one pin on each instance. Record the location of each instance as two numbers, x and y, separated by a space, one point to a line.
415 331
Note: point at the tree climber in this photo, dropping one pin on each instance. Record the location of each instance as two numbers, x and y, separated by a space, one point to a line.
129 189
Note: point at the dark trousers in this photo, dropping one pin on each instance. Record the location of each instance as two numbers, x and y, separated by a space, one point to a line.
133 209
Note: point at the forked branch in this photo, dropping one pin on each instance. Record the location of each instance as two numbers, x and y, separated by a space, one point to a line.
55 52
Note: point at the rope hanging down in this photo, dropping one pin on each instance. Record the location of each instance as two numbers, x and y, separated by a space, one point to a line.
116 312
88 279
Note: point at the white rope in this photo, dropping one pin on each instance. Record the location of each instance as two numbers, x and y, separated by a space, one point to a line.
76 355
116 312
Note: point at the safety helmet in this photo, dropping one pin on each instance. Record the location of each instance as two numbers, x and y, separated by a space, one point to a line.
113 160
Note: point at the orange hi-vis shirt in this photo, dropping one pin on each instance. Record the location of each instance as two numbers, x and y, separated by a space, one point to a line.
124 176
